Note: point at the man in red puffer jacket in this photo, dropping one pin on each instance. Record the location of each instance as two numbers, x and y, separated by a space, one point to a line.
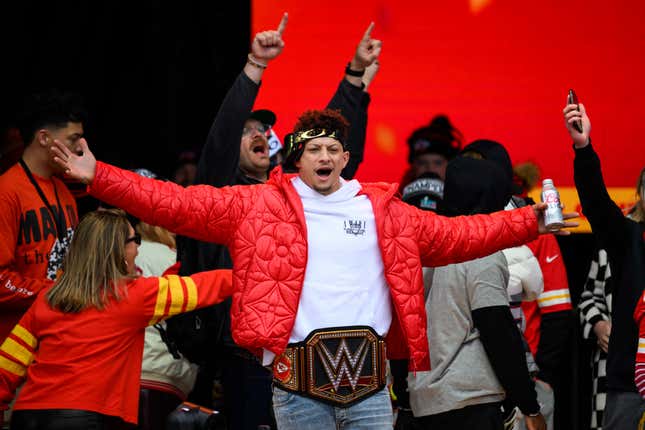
322 267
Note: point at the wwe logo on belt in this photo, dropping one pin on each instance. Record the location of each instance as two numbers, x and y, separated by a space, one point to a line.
343 363
354 227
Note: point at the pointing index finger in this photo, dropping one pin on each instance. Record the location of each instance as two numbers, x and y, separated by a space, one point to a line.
368 32
283 23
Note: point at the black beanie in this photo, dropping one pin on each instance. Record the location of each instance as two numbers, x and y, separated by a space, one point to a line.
438 137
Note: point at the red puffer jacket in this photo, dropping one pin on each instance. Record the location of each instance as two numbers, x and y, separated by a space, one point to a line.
265 231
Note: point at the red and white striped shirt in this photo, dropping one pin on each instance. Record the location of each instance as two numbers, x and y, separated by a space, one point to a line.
555 297
639 316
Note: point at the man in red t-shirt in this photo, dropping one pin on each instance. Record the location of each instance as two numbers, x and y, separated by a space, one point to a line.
37 211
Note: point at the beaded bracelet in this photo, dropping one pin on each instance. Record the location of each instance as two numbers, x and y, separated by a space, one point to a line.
253 62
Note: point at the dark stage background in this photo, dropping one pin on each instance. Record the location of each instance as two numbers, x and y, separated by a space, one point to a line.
153 75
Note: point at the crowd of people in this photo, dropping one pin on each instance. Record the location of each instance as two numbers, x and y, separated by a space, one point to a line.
268 285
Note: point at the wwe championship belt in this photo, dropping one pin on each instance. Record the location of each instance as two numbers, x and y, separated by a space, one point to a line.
340 365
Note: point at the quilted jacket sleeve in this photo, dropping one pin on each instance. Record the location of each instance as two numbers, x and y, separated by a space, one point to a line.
445 240
201 212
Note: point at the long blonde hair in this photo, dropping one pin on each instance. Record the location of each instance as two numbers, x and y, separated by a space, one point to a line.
153 233
95 268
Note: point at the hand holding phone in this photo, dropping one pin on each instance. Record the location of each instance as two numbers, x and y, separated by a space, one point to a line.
572 99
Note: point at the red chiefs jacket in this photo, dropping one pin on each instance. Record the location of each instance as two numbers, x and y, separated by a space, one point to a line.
91 360
264 228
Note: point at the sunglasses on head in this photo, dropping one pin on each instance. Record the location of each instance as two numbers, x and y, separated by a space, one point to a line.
136 239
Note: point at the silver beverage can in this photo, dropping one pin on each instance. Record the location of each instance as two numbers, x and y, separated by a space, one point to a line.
553 214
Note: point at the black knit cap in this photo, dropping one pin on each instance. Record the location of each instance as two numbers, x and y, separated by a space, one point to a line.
438 137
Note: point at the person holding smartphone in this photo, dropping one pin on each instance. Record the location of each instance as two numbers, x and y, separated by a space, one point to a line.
624 239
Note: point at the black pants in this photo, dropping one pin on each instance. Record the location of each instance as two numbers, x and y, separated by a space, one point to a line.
154 408
248 394
487 416
64 419
624 410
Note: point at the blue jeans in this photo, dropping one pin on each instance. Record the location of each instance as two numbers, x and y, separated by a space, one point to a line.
296 412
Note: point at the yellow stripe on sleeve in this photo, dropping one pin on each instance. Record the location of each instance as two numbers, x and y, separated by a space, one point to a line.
17 351
24 335
176 295
561 296
191 289
12 367
162 298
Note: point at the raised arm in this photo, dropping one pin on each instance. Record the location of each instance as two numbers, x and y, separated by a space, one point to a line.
605 217
353 100
201 212
220 156
444 240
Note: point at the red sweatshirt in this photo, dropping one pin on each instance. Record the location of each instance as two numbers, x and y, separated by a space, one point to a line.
555 297
30 252
91 360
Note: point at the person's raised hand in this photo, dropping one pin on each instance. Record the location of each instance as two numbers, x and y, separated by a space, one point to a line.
539 209
367 51
370 73
81 166
267 45
573 113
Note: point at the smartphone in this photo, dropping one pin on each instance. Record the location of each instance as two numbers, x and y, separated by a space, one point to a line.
572 99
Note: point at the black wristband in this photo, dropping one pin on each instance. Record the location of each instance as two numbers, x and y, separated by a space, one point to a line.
350 72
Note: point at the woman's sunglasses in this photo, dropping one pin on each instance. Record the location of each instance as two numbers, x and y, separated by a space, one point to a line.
136 239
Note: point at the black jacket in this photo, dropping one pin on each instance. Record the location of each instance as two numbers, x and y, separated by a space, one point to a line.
625 244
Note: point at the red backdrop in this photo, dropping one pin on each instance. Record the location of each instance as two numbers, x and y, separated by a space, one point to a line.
500 69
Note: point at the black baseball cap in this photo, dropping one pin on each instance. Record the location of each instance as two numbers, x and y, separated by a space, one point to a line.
265 116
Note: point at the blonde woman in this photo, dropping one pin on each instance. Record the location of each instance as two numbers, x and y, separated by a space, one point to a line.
78 348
